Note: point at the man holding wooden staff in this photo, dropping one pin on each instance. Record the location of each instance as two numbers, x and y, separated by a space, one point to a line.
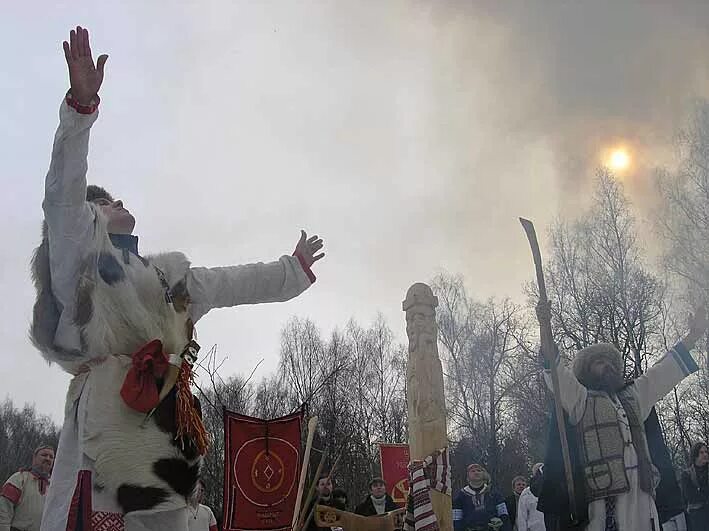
619 476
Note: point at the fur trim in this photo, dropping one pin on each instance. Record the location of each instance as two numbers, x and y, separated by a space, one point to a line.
585 357
45 314
174 265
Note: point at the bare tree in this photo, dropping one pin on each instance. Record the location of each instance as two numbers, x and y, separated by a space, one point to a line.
598 283
486 355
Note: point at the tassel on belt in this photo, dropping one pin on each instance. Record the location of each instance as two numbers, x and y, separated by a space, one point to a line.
140 391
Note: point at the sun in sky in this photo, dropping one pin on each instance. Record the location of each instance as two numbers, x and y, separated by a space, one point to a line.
619 159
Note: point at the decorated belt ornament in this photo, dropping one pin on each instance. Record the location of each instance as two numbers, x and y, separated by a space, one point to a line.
139 390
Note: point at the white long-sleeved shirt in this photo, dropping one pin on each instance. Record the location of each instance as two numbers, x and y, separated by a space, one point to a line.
528 518
21 502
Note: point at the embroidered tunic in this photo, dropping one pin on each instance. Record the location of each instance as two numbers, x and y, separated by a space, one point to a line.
635 509
474 509
21 501
96 306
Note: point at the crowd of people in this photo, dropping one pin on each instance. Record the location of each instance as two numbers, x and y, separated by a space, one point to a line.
478 506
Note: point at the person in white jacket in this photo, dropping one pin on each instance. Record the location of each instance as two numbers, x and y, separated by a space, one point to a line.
528 518
122 324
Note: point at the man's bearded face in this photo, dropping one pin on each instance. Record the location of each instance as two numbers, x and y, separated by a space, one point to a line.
44 460
604 376
325 487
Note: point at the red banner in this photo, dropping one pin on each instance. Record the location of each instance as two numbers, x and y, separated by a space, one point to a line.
395 472
261 470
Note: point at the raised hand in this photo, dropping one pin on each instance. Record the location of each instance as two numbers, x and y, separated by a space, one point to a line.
307 247
85 78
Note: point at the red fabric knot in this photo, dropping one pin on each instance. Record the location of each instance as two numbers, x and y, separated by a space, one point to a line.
140 387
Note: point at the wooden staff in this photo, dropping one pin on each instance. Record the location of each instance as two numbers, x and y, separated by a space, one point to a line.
312 424
551 354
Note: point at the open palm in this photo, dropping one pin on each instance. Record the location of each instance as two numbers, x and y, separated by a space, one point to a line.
85 78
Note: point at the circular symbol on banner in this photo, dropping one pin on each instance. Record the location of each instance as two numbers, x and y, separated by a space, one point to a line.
266 478
400 492
267 472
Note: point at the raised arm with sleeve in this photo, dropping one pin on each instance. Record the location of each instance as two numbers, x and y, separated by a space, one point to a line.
573 394
659 380
70 220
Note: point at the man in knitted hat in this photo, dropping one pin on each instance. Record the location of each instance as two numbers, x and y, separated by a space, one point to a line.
477 506
22 495
619 478
122 324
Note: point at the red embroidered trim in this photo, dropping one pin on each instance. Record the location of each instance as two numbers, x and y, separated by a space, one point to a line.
212 528
104 521
306 268
11 492
82 109
80 503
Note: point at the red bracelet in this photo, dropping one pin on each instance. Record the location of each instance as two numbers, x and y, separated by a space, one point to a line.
83 109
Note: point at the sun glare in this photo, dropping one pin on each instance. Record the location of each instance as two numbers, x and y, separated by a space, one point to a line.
619 159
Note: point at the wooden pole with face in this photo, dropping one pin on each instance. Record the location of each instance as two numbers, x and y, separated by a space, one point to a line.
424 396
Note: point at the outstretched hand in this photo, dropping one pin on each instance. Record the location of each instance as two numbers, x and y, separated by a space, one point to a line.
698 324
307 247
85 78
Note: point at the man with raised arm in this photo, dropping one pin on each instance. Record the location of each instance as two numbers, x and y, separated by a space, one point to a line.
122 324
619 476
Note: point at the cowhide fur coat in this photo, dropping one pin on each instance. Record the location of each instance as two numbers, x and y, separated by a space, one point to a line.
97 304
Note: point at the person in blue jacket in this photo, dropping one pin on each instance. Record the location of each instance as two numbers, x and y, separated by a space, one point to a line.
477 506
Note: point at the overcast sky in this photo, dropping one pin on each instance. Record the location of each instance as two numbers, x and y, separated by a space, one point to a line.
410 135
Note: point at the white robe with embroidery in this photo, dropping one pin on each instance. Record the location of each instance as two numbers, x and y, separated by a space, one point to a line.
635 510
96 419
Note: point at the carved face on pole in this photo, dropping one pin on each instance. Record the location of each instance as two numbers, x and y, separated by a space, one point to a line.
420 307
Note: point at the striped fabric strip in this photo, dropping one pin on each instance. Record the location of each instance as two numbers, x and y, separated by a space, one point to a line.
433 472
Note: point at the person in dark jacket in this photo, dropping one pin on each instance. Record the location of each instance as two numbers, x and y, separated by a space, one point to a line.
378 501
518 485
323 496
477 506
695 487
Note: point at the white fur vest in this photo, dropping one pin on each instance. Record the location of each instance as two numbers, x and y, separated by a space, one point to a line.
121 303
